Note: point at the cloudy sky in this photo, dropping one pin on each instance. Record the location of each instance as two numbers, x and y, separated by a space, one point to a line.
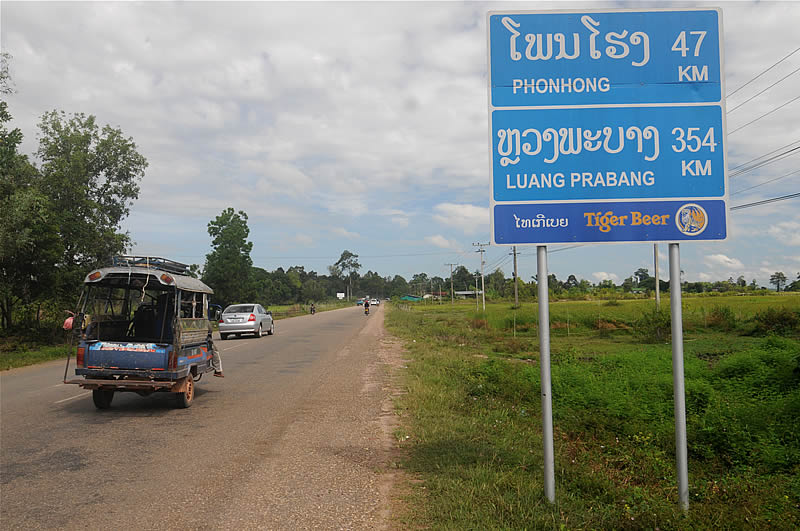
363 126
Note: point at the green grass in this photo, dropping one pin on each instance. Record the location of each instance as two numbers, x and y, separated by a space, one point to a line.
472 415
28 355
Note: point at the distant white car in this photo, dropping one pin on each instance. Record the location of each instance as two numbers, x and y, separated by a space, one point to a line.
374 302
245 319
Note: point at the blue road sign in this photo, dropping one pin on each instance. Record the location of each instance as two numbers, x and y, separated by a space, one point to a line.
607 111
609 57
608 153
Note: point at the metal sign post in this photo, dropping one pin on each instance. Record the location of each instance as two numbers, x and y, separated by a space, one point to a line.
544 368
676 315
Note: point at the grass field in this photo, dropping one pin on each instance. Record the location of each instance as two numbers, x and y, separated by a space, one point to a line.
471 418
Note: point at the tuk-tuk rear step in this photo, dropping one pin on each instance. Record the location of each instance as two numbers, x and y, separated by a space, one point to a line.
96 383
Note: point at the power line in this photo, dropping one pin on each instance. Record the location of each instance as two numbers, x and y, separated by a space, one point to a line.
767 182
765 114
779 156
764 155
765 201
763 91
764 72
566 248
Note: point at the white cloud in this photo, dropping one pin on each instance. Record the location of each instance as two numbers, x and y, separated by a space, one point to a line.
468 218
787 232
397 217
440 241
705 277
722 261
303 239
602 275
344 233
400 221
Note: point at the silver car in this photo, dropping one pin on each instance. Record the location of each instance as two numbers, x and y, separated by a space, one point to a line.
245 319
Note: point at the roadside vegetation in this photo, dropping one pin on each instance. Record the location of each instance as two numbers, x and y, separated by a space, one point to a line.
471 417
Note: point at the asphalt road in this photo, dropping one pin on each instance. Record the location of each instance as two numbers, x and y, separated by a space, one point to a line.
294 437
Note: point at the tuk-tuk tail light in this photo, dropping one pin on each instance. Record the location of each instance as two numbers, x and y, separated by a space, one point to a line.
166 279
79 356
94 276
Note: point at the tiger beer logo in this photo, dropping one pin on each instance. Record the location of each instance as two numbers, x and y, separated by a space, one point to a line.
691 219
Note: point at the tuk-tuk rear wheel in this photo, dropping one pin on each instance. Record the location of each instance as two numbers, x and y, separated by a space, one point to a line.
102 398
186 398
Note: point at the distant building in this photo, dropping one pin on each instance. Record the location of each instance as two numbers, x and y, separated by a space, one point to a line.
468 293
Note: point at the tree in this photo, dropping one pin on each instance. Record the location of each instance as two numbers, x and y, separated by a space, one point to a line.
5 76
462 279
495 282
228 265
398 286
628 284
91 177
29 241
641 274
778 279
348 262
794 286
571 282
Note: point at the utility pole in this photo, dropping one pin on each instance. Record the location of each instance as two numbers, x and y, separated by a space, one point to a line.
476 293
452 295
516 296
658 282
481 250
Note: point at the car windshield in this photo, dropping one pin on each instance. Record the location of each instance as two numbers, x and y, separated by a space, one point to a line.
239 308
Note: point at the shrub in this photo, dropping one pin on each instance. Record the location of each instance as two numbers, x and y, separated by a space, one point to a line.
654 326
478 323
722 318
781 321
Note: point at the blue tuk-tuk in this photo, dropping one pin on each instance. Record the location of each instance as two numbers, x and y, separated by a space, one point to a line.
143 326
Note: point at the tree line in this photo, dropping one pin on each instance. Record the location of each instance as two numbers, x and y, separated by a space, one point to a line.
230 271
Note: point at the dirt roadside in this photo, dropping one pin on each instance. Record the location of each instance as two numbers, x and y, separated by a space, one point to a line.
334 466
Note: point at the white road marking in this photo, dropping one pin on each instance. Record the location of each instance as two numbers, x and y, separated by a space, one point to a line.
231 348
73 397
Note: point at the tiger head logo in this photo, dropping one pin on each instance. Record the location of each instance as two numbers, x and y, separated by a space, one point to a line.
691 219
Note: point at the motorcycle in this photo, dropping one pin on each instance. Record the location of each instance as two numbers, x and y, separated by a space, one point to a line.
313 310
366 310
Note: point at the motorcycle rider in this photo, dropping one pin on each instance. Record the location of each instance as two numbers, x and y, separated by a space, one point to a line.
313 309
366 306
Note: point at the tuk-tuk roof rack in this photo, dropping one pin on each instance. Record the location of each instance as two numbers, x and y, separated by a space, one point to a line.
153 262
